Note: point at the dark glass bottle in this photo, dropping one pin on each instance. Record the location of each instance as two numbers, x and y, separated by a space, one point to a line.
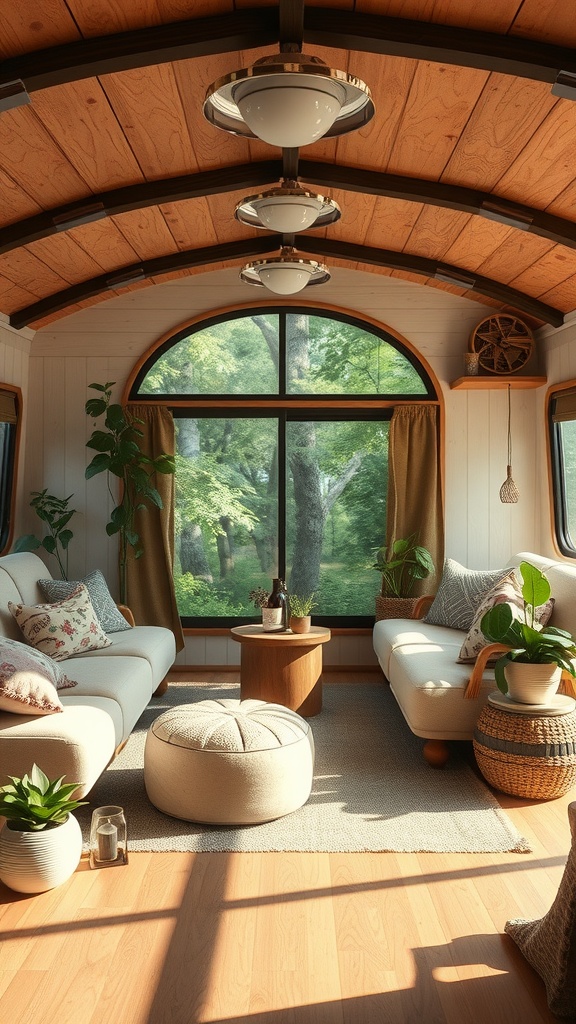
279 599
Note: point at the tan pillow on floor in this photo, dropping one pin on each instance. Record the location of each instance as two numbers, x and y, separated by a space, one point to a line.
64 628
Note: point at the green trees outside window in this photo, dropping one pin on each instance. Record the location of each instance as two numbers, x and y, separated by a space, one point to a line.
282 445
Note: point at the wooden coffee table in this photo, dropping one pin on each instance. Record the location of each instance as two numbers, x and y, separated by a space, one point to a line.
282 668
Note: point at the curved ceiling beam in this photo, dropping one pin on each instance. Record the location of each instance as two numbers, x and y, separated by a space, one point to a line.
248 176
250 28
137 197
259 246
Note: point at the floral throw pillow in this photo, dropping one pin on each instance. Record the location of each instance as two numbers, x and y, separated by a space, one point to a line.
29 680
507 591
62 629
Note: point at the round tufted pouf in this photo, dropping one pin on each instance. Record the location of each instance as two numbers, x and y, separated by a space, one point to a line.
229 762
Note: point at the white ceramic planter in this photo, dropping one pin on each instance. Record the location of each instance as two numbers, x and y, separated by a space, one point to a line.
38 861
272 619
532 684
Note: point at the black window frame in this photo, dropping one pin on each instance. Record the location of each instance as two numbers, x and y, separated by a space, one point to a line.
558 479
285 407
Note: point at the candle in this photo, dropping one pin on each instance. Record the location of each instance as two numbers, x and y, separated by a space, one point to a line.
107 834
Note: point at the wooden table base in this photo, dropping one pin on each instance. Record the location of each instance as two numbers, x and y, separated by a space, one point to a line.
282 668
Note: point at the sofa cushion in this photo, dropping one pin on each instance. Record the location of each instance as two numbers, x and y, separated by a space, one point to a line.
111 620
127 681
155 644
63 628
507 591
460 593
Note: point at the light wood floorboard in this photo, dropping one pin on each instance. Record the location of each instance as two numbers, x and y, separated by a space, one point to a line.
293 938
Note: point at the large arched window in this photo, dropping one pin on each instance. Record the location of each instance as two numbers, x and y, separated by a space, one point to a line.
282 419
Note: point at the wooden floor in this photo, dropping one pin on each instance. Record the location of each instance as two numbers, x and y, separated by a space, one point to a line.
286 938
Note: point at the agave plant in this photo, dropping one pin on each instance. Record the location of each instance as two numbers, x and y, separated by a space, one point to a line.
34 803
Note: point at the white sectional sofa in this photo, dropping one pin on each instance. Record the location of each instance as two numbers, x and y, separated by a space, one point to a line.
440 698
114 685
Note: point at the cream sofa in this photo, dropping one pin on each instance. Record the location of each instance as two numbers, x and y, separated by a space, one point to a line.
440 698
114 685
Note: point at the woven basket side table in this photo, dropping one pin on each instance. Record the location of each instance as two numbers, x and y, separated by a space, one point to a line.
527 755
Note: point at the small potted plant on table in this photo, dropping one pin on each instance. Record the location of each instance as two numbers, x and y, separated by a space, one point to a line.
301 606
401 565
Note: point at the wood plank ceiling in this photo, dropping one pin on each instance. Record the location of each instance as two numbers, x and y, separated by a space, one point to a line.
452 131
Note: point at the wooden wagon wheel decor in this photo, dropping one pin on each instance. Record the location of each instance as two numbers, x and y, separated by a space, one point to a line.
504 343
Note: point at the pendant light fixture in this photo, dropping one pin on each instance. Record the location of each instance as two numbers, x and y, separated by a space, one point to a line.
289 208
288 100
509 493
285 274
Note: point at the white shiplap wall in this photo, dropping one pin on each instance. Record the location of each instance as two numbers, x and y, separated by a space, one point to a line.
104 342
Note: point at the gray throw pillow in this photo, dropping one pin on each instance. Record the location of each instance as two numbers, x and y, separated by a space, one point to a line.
460 592
110 619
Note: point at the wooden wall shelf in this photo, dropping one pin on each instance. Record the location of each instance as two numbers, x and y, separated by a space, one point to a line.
494 383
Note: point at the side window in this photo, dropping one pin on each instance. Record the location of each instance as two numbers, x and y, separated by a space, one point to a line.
562 426
10 408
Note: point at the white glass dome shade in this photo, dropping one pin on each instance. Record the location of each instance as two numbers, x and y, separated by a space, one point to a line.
287 209
288 100
285 274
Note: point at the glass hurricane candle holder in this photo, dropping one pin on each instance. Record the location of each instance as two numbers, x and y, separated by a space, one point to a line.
108 838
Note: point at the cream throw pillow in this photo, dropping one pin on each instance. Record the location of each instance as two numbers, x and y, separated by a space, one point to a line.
508 590
61 629
29 680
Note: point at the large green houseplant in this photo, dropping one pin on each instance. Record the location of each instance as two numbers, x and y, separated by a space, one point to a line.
41 841
530 671
402 565
120 455
56 514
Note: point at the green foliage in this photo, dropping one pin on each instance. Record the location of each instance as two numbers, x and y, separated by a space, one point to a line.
56 514
406 563
120 455
259 597
206 494
530 643
196 597
34 803
302 604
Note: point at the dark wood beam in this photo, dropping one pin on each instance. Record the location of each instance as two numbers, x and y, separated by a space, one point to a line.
254 175
443 44
430 268
291 33
250 28
256 247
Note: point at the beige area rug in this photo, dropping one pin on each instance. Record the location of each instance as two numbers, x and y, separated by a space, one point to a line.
372 789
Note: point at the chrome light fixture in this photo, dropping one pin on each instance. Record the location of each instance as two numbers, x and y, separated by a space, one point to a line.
289 208
285 274
288 100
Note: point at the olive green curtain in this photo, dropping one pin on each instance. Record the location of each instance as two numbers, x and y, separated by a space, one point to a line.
149 579
414 484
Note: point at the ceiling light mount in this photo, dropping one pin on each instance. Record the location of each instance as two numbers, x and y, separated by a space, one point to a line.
285 274
288 100
288 209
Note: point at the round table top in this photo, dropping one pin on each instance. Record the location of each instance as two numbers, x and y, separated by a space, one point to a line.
256 634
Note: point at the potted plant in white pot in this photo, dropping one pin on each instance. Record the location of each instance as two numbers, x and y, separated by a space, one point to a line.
41 841
301 606
402 564
531 670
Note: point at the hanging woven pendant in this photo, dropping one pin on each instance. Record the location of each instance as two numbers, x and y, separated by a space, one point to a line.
509 493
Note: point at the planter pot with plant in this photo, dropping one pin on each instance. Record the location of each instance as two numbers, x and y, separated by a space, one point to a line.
41 841
55 513
402 565
120 455
531 670
301 606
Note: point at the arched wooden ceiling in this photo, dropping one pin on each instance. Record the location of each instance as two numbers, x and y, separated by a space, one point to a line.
110 177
